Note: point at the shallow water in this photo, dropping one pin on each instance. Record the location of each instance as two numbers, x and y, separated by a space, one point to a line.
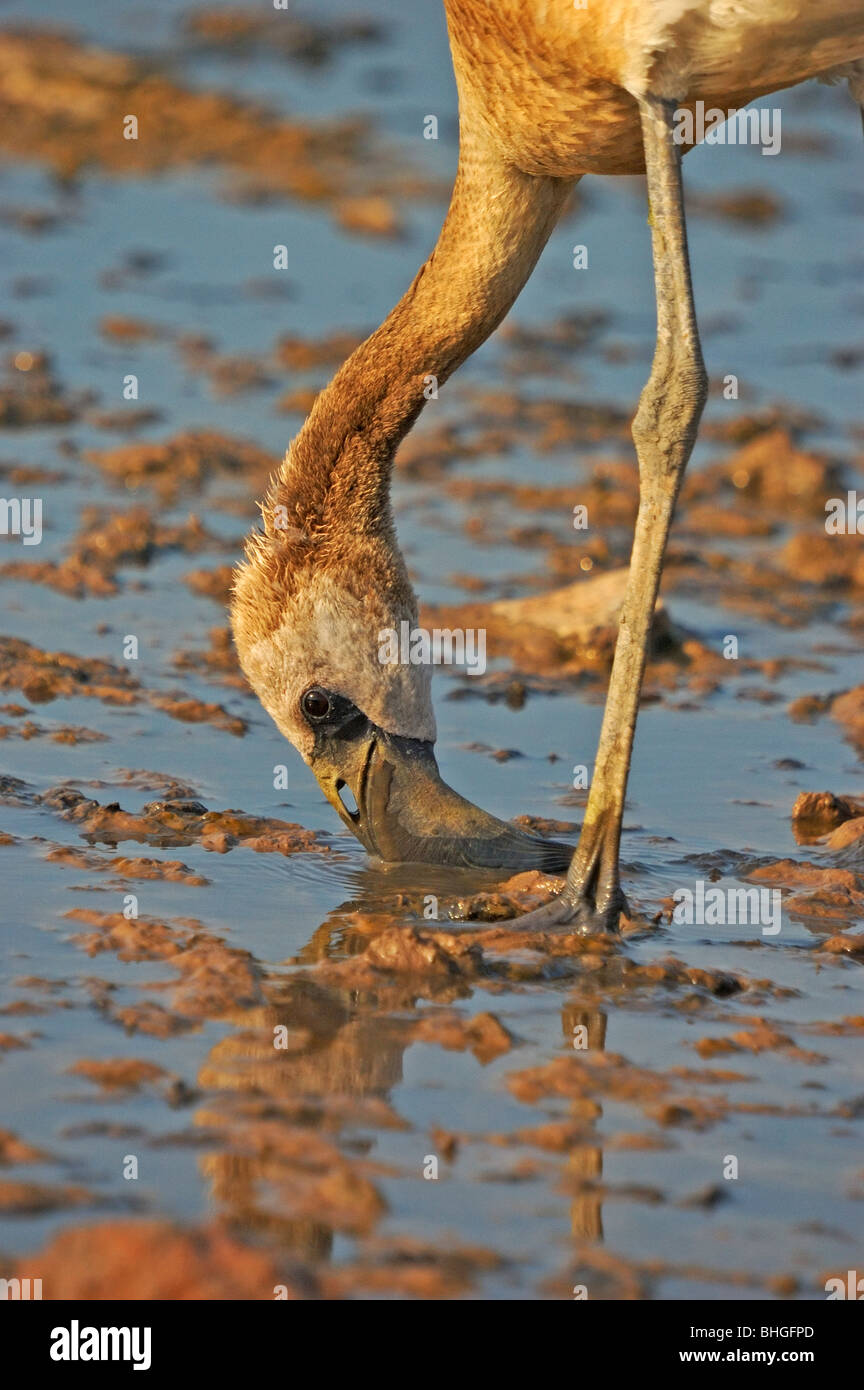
706 794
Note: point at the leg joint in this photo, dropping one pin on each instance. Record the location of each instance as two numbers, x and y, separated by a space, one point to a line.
670 408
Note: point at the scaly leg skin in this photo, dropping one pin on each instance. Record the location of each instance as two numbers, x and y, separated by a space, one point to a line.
664 432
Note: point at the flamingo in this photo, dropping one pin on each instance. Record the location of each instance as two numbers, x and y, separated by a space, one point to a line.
549 91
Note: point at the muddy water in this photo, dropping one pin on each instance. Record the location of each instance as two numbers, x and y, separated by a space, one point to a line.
151 1038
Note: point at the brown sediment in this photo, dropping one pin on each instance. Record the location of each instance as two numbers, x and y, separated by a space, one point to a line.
20 1008
44 75
650 1143
610 497
549 423
831 562
57 733
495 422
483 1034
847 834
707 519
31 395
540 348
313 1180
405 962
772 471
119 1074
215 980
14 1151
307 354
823 896
37 1199
790 871
609 1075
411 951
818 813
569 633
520 893
755 206
134 939
108 542
217 662
824 907
559 1137
185 462
294 37
229 375
298 401
805 708
170 787
563 632
844 944
174 820
144 1260
372 215
760 1036
171 870
612 1276
150 1019
190 711
754 493
849 1027
125 420
25 474
411 1268
745 425
275 1168
212 583
265 1156
848 710
122 328
44 676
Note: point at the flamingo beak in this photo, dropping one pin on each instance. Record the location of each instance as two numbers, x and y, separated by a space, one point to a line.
405 813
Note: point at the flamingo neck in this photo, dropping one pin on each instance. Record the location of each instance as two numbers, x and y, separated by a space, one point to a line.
339 466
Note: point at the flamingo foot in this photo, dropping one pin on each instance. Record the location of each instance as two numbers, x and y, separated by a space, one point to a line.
579 911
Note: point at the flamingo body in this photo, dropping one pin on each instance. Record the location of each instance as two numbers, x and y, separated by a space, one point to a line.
548 92
555 87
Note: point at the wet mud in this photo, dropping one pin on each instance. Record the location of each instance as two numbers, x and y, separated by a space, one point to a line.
340 1080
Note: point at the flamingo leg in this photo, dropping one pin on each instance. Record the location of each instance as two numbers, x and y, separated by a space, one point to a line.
664 431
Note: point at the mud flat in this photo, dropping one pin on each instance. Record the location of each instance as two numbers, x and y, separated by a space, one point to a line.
342 1080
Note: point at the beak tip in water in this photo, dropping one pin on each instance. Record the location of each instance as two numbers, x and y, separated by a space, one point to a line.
405 813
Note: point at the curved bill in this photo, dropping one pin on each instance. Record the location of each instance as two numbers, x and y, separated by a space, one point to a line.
405 813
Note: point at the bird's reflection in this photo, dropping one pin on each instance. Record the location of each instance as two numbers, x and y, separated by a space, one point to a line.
585 1163
294 1121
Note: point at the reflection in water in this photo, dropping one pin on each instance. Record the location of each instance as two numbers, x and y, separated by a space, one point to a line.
293 1121
420 890
282 1109
585 1164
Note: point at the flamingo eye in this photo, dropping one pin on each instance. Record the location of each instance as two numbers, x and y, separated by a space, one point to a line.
316 704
